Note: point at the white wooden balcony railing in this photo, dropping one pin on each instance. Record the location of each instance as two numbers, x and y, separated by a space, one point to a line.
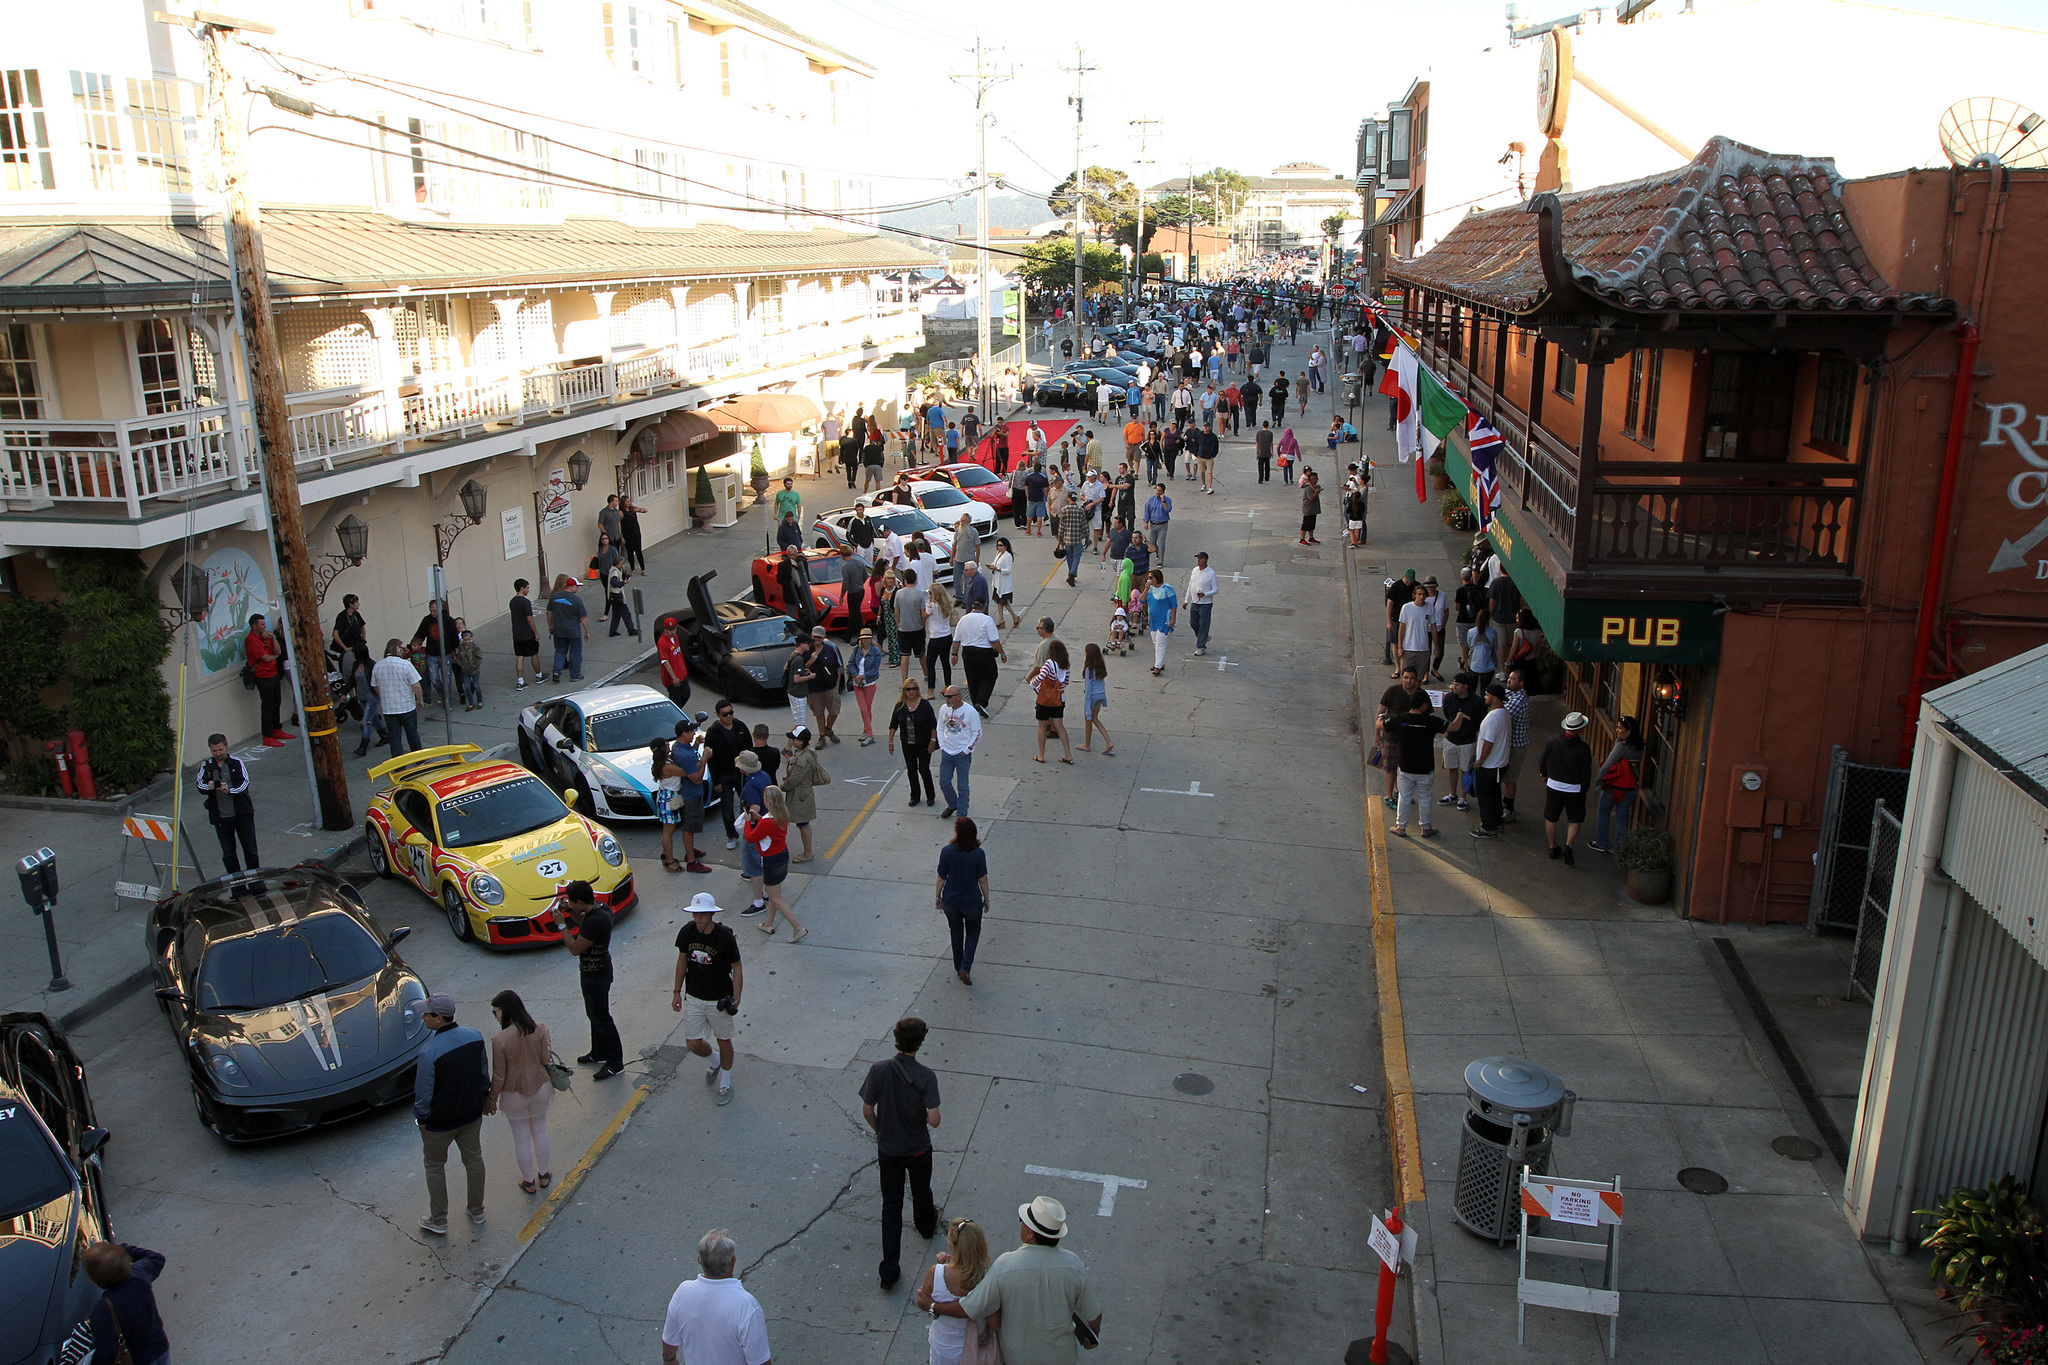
131 461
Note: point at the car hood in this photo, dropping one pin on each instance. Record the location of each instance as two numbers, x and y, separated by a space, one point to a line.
626 768
319 1042
38 1300
518 862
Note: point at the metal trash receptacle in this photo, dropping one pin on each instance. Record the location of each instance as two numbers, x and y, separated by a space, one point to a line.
1515 1109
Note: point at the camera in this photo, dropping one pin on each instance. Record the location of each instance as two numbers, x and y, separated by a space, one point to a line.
728 1005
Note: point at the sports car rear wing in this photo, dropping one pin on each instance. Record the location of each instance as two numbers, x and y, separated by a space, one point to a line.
419 760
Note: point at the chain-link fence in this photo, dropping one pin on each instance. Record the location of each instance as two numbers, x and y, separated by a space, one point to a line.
1854 789
1876 902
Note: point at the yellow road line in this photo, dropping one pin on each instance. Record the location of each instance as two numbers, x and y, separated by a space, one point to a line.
1050 572
568 1183
865 811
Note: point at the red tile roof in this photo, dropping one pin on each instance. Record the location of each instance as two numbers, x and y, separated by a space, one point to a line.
1737 229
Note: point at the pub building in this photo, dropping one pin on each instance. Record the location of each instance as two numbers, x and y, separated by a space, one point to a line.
1735 491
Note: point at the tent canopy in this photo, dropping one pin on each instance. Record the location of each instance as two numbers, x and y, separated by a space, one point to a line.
764 412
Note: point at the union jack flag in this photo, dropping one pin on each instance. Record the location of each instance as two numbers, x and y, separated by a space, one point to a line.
1486 444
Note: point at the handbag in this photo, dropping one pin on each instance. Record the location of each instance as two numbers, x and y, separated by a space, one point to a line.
559 1072
1050 692
983 1346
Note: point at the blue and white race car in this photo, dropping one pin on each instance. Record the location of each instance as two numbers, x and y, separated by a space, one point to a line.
595 743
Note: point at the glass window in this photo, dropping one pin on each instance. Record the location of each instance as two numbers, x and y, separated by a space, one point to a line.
20 395
1397 143
1610 690
1645 377
1566 381
24 133
1749 405
759 634
308 957
635 728
488 814
1834 405
32 1172
158 123
99 128
156 362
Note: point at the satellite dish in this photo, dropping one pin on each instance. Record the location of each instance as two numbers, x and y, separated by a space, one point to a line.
1984 130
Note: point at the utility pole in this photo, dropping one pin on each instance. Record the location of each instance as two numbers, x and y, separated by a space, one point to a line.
280 469
1144 127
983 78
1080 68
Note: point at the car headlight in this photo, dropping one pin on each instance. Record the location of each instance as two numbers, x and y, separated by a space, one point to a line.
412 1007
758 674
618 793
609 848
485 889
225 1071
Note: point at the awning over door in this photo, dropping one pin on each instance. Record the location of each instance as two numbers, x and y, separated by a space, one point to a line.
682 430
765 412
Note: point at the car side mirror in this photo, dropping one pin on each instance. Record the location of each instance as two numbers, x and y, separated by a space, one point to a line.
415 839
92 1142
567 746
569 798
398 935
171 995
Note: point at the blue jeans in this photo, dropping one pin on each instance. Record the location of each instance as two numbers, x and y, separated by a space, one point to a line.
373 715
437 677
471 686
1074 559
1621 807
403 729
1198 617
964 924
953 766
569 650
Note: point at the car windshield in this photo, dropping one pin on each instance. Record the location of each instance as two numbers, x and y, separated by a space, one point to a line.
901 520
634 728
32 1172
759 634
488 814
974 476
293 961
943 497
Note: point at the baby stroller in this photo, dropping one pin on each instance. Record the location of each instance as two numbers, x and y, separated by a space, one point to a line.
1120 630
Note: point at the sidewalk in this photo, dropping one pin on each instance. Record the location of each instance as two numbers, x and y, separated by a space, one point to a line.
1503 952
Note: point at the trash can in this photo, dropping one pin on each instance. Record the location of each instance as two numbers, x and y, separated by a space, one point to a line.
1514 1109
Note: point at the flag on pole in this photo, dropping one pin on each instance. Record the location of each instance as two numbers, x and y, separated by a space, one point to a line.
1486 443
1398 383
1441 412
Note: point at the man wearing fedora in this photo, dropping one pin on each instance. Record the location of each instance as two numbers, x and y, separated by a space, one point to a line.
1566 769
1042 1289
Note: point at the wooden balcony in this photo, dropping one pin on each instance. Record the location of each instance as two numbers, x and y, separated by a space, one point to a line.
1628 528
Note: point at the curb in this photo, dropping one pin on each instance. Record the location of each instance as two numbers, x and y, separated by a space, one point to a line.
118 806
1404 1136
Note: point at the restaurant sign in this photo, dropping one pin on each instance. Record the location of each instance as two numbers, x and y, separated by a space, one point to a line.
1640 631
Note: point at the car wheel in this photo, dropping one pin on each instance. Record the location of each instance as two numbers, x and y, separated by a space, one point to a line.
761 590
379 852
458 914
206 1119
528 758
585 806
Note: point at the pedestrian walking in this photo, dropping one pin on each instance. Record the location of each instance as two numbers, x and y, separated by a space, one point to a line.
916 724
953 1275
1094 698
1158 518
1566 768
1311 503
977 644
399 698
589 939
1004 591
1072 531
1202 586
863 673
708 984
223 781
713 1320
1048 1303
768 832
521 1088
451 1093
265 662
803 772
1414 738
1620 776
1162 614
569 627
1048 681
1262 443
899 1099
616 608
1463 709
911 606
124 1324
962 893
959 730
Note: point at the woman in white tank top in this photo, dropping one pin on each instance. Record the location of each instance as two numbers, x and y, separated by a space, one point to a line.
958 1271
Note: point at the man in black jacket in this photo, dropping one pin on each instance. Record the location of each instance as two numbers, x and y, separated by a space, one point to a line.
724 740
1567 770
224 783
451 1093
126 1315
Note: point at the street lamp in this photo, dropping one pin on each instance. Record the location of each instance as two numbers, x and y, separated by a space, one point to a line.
355 547
473 494
195 594
579 469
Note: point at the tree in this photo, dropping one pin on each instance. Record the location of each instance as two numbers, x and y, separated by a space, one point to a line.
115 651
1049 263
1333 227
1107 194
1223 184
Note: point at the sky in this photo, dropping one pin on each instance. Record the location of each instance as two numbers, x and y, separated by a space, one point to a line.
1223 92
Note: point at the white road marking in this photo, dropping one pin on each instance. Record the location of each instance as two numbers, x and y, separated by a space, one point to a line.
1224 663
1194 789
1240 578
1110 1184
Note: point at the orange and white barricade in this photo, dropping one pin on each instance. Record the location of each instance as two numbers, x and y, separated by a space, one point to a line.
1570 1205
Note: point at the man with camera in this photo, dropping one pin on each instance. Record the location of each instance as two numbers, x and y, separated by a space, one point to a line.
708 985
224 782
589 937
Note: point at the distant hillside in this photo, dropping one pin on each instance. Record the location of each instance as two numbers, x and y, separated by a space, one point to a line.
1004 211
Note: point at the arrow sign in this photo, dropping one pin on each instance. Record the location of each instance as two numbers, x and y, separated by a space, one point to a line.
2012 554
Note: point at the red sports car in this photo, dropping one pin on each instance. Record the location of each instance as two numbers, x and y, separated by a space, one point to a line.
772 574
976 481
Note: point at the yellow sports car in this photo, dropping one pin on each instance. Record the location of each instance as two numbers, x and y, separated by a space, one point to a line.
492 843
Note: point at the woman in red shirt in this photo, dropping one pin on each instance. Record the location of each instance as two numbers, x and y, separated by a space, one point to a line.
769 833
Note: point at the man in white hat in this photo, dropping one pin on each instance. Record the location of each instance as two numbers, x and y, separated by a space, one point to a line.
1567 770
1041 1288
709 982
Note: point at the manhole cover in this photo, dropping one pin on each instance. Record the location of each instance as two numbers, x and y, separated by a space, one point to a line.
1700 1180
1798 1148
1193 1083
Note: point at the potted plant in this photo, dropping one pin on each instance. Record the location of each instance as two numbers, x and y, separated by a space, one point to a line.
703 504
1990 1250
1439 478
1455 513
1645 854
757 473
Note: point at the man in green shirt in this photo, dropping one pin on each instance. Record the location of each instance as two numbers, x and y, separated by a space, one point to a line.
1041 1289
789 501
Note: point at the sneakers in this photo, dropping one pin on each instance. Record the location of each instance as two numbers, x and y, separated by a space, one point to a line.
521 684
732 843
1568 859
587 1059
1597 846
1390 802
756 908
272 742
1200 650
1429 831
696 865
1445 800
1484 833
711 1072
1555 853
946 814
1400 831
554 677
607 1071
476 1218
724 1096
439 1229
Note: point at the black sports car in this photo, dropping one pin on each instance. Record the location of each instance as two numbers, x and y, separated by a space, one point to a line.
292 1007
51 1203
735 649
1067 391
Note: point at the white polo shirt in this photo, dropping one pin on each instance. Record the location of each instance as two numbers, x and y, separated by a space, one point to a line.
1201 586
716 1322
976 631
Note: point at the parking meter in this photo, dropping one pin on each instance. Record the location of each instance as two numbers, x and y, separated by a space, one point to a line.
38 873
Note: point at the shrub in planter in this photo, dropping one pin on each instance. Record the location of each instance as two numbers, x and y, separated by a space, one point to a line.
757 472
115 649
703 503
1991 1251
34 631
1455 513
1645 854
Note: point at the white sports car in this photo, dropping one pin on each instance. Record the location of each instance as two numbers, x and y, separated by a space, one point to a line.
830 529
944 503
595 743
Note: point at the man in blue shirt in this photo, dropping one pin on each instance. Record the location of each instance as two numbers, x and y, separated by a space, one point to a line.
1158 513
451 1093
1035 486
934 425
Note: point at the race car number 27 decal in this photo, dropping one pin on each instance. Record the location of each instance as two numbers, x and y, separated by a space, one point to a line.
554 869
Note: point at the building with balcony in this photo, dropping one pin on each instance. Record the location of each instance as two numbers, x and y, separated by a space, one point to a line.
464 293
1725 392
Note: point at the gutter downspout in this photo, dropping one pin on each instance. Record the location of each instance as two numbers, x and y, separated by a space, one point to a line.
1937 549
